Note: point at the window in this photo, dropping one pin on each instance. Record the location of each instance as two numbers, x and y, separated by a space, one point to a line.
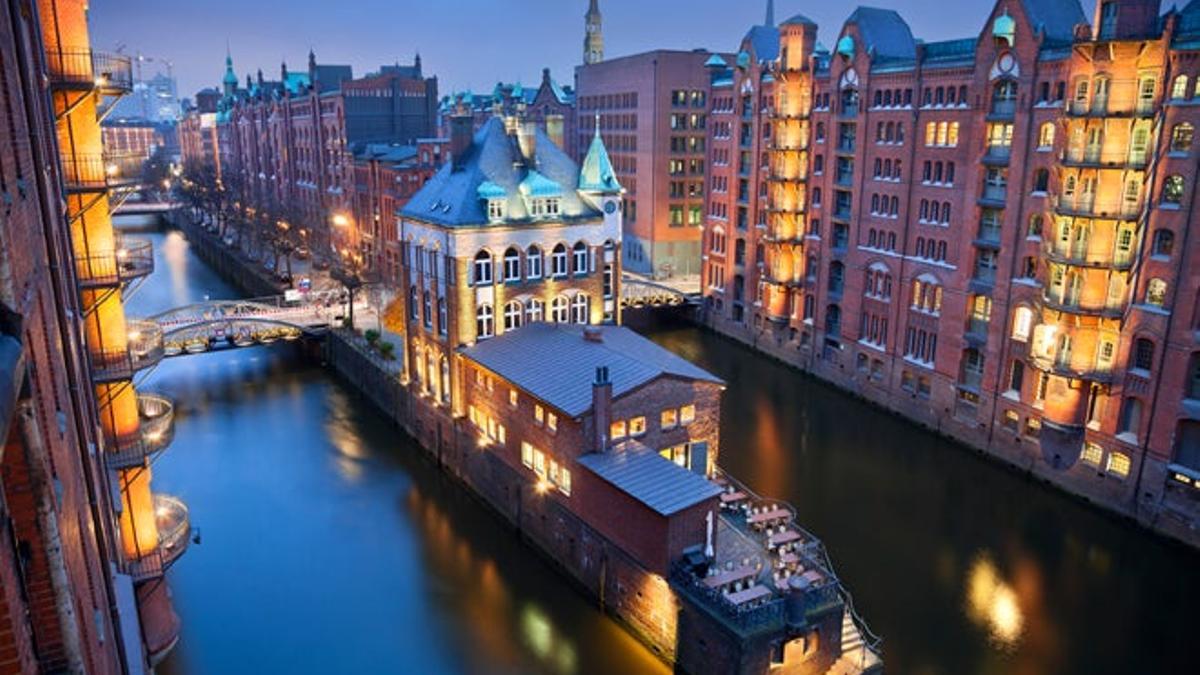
539 415
535 311
580 258
560 477
1143 354
1164 242
513 313
552 422
483 268
1156 292
443 328
512 265
558 261
533 260
1046 136
637 426
484 322
1192 390
1179 87
495 209
687 414
427 304
559 309
669 418
1092 454
1022 324
579 309
1181 137
527 451
1118 464
1041 181
513 397
1131 416
617 430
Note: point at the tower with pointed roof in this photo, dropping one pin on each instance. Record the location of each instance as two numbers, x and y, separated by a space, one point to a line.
593 41
230 81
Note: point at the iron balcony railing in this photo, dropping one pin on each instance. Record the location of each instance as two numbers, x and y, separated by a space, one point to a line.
1062 366
174 532
1088 206
1097 157
98 172
133 258
85 69
1080 256
144 349
156 430
1108 308
1102 106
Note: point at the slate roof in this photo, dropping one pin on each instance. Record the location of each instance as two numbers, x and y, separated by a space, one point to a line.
555 364
597 173
650 478
1057 18
799 20
451 197
764 40
1188 28
947 53
884 34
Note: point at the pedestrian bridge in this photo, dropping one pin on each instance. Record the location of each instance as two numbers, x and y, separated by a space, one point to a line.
224 324
638 292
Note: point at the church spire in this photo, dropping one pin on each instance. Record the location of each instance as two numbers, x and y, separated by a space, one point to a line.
230 81
770 13
593 41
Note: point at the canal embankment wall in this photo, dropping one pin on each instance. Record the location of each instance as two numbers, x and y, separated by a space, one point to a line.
641 601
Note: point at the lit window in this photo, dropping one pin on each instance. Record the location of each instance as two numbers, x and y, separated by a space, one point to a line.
1156 292
670 418
1092 454
687 414
512 397
539 415
1118 464
617 430
552 422
1179 87
539 463
483 268
495 209
485 324
527 454
579 258
637 426
1022 324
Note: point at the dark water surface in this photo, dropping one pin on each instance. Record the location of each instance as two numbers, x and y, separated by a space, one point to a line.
329 546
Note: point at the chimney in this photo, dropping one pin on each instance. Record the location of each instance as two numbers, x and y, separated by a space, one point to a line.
462 129
554 130
593 334
527 138
601 409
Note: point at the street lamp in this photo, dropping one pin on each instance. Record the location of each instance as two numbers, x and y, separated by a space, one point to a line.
351 267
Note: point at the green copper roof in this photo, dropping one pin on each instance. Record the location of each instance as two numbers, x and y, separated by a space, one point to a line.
1005 28
845 46
489 190
537 185
597 174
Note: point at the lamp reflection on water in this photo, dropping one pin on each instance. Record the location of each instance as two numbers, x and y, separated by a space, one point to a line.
992 602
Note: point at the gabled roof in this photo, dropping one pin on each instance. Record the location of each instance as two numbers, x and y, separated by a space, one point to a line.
1057 18
799 20
451 197
885 34
650 478
537 185
555 364
764 40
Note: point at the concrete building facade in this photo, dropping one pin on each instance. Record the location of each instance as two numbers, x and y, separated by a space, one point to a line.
987 235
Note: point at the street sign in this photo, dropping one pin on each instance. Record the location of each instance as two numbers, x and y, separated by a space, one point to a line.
305 284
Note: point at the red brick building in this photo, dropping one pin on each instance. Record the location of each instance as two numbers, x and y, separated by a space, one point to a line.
133 138
987 235
653 115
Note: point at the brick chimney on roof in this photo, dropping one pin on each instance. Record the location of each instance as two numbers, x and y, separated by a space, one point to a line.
601 409
462 132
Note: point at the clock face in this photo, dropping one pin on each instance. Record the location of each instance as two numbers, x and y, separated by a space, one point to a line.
610 207
1006 62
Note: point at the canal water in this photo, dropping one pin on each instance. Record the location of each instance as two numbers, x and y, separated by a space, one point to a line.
329 545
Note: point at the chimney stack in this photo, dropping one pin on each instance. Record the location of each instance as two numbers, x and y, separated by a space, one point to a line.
527 138
462 131
601 409
593 334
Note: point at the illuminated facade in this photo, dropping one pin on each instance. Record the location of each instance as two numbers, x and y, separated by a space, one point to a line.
988 235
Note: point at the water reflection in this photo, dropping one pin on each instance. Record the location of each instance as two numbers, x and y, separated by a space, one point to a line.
992 603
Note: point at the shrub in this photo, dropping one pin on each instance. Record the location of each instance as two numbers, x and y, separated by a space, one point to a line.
388 350
371 335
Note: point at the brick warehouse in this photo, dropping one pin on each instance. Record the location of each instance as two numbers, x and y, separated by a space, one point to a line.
987 235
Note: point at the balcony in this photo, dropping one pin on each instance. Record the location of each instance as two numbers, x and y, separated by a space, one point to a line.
1102 373
144 349
1003 109
1080 256
995 196
1087 206
1109 309
983 280
989 236
101 172
1105 107
977 331
174 531
156 430
84 69
846 147
997 154
1095 157
971 378
133 259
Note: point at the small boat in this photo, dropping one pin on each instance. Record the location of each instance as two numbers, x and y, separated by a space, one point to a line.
172 349
242 340
196 347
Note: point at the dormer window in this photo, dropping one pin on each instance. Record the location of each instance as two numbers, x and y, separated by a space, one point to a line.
496 210
545 207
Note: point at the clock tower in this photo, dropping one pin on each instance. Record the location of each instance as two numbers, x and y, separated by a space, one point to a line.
593 41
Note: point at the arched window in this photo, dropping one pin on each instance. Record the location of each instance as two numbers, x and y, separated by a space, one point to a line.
1035 225
513 314
1181 137
1179 87
1046 136
559 309
533 262
512 265
579 309
1164 242
427 304
485 321
535 311
558 261
1041 180
837 272
580 258
483 268
445 380
1173 190
1156 292
1022 324
1142 357
946 213
833 321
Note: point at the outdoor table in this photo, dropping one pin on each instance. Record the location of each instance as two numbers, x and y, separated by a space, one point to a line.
729 577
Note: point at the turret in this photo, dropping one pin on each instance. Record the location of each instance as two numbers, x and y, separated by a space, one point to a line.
230 81
593 41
